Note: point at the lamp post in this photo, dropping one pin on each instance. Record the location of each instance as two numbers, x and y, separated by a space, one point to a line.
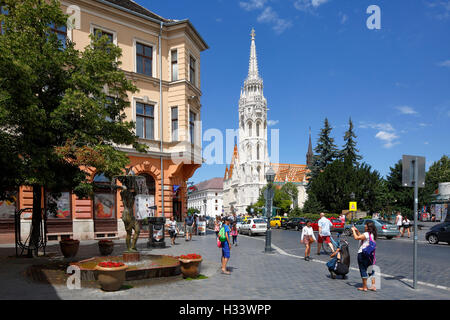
270 177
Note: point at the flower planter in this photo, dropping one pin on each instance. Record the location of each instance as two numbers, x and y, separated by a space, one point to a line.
190 267
106 247
69 247
111 278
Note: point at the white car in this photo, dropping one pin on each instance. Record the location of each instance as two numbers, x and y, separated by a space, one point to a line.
253 226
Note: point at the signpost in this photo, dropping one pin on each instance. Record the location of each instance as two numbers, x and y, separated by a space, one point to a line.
352 206
413 175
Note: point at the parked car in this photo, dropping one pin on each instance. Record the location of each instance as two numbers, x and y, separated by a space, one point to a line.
253 226
440 232
276 221
239 222
294 223
384 228
337 224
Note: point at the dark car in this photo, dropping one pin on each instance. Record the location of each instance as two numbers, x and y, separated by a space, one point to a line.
440 232
293 223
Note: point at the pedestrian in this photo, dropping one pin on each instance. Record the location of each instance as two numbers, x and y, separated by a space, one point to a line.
406 226
234 233
307 238
217 225
173 230
226 248
324 232
364 260
189 224
342 218
399 222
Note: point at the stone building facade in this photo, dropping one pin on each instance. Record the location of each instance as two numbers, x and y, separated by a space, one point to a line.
162 58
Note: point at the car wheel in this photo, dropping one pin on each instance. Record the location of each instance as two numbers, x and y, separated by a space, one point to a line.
433 239
389 237
296 228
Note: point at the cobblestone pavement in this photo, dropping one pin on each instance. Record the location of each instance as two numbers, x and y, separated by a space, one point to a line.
255 275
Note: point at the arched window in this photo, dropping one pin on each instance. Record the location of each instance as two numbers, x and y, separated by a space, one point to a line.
257 152
257 129
249 129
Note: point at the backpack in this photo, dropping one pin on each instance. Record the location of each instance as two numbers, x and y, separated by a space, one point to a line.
369 251
222 236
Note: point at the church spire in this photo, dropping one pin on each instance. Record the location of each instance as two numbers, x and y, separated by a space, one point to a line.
310 154
253 63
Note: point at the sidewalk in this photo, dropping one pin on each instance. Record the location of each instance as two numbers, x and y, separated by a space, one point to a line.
255 275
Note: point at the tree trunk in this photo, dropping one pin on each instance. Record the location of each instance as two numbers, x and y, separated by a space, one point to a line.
35 232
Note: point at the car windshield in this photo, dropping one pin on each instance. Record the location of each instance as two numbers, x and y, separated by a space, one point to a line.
258 221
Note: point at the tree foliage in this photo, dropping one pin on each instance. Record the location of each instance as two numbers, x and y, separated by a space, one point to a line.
349 151
61 110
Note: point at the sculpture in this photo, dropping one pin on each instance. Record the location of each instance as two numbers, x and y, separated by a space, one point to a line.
131 186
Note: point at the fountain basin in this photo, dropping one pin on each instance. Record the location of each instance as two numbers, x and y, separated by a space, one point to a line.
149 266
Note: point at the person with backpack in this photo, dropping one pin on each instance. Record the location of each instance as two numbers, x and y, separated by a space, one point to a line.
189 223
366 252
224 238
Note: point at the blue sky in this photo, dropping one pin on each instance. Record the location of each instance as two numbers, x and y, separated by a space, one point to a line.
318 59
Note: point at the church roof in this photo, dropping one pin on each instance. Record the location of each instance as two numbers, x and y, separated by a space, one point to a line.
214 183
289 172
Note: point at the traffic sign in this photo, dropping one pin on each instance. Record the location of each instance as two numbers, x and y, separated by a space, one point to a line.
352 206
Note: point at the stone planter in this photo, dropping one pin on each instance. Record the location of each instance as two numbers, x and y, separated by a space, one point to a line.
69 248
111 279
105 247
190 268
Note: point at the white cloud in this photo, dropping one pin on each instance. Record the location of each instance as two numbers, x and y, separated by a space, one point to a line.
378 126
388 138
272 122
252 4
445 63
306 5
271 17
406 110
443 8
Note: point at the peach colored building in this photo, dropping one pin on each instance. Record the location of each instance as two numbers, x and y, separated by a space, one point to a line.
162 57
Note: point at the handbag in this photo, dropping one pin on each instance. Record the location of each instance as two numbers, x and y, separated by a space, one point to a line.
219 243
369 251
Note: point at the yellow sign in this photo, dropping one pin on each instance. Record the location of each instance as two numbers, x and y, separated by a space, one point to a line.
352 206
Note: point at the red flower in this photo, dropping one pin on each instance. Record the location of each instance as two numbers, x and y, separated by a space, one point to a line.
190 256
110 264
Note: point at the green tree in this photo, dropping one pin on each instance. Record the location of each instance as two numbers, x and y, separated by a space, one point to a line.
312 205
59 108
349 151
325 152
439 171
281 200
402 197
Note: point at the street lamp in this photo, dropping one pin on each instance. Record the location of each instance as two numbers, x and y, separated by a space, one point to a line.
270 177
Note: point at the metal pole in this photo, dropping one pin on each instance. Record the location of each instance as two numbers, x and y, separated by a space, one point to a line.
416 190
268 247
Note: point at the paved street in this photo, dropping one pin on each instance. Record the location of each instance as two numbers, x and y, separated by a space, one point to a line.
255 275
394 257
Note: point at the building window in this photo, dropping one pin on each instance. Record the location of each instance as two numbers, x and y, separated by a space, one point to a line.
192 126
216 208
61 33
145 121
104 198
144 59
174 65
174 117
257 129
257 152
249 129
192 70
58 207
100 33
216 200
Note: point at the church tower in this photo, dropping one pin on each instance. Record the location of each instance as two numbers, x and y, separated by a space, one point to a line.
252 130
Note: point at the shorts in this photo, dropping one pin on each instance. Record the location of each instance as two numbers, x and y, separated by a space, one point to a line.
321 239
225 250
172 234
188 229
307 239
